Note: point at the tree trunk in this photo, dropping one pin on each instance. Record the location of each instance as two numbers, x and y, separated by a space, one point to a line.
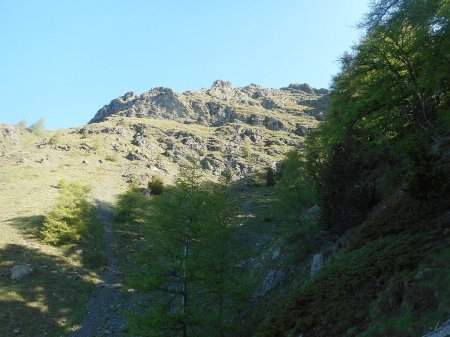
184 298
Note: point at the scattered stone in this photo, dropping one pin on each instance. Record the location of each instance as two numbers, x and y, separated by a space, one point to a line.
320 116
44 142
85 147
20 271
301 130
63 147
134 156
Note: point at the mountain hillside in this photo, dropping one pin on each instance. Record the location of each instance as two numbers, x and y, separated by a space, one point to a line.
243 129
240 130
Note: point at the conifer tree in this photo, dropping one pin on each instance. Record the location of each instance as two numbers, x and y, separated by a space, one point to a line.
190 256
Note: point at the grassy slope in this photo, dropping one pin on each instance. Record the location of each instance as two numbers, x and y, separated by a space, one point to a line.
52 300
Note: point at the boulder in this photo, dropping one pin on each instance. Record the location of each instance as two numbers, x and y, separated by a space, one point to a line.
316 264
301 130
272 279
20 271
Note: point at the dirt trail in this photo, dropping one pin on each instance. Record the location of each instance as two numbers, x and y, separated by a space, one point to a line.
104 309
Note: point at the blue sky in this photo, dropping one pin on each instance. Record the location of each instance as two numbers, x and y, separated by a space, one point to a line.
64 59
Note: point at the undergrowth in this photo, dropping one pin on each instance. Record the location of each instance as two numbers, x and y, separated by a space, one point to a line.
390 280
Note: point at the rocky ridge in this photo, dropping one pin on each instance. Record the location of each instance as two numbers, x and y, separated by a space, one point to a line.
274 109
243 129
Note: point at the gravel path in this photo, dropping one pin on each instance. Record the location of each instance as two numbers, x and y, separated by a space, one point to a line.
104 309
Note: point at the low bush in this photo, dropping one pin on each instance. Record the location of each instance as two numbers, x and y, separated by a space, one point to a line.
156 185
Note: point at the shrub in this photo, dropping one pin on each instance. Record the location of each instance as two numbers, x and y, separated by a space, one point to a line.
62 184
84 134
55 139
156 185
132 205
70 217
246 149
270 177
226 176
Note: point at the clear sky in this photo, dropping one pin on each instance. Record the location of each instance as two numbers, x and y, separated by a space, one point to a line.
64 59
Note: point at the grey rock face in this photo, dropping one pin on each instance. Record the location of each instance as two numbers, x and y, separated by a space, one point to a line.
216 106
316 264
301 130
20 271
296 87
273 278
10 134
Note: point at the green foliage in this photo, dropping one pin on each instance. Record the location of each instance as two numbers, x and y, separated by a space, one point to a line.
386 128
84 133
73 220
393 85
270 177
132 205
226 176
345 196
189 276
246 149
62 184
37 127
427 175
70 217
295 190
156 185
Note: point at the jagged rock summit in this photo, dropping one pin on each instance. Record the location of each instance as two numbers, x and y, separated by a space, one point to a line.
275 109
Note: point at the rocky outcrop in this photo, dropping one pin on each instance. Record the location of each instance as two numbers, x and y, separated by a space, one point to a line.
443 331
219 105
316 264
20 271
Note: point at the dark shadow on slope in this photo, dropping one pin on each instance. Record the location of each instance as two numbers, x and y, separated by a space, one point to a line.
47 302
29 226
